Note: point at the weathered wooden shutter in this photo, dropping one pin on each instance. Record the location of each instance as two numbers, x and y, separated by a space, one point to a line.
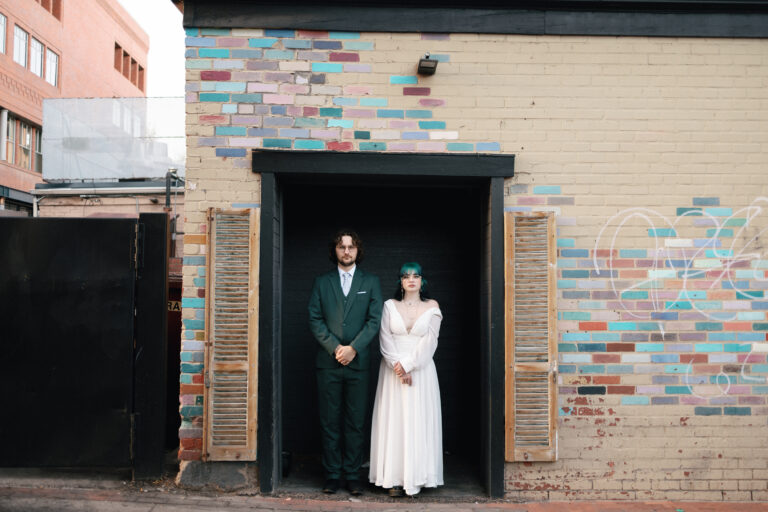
530 337
231 354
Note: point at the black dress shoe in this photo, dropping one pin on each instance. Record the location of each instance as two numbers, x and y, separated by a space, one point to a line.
331 486
355 487
397 492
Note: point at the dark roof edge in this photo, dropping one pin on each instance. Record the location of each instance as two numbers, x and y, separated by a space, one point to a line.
737 19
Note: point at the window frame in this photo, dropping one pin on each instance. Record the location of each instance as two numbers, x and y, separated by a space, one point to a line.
3 31
24 155
51 67
10 141
38 151
35 57
17 53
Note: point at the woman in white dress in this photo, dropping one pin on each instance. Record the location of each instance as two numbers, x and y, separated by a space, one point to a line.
407 433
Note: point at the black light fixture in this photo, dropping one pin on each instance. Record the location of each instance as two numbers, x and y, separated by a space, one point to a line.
427 66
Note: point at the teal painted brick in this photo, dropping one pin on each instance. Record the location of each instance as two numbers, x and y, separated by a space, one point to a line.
715 232
749 294
591 304
189 335
200 41
708 347
390 113
649 347
190 411
198 281
750 315
706 201
760 390
373 146
575 336
709 326
648 326
277 143
290 34
268 42
246 98
616 369
567 263
343 123
362 134
677 368
606 336
214 53
760 368
194 260
193 325
343 35
571 347
734 223
709 304
677 390
201 271
737 411
547 189
566 242
460 146
192 302
719 253
373 102
231 130
229 109
634 295
311 122
760 326
327 67
635 400
432 125
622 326
576 315
330 112
214 97
707 411
297 44
198 64
309 144
592 368
229 86
565 284
662 232
719 212
738 347
191 368
192 32
418 114
279 54
632 253
691 295
185 379
574 274
689 211
663 273
358 45
440 57
192 357
395 79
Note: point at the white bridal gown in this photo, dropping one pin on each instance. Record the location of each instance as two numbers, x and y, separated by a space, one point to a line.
407 432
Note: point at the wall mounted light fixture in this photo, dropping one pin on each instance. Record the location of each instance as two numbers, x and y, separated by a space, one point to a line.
427 66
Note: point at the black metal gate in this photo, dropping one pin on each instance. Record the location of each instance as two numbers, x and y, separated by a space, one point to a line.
81 342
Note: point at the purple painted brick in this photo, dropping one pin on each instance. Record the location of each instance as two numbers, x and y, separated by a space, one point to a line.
634 336
402 146
403 125
247 120
262 132
278 121
231 42
313 56
294 133
261 65
357 68
279 77
325 134
211 141
358 113
261 87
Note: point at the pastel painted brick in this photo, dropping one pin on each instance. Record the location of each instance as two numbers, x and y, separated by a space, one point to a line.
344 57
262 42
416 91
403 79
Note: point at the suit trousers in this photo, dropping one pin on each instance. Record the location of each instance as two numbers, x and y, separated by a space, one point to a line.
342 404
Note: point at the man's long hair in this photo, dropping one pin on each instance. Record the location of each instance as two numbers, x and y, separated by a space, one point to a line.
337 240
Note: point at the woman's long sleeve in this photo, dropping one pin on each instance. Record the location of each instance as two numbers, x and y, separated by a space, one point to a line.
426 347
386 341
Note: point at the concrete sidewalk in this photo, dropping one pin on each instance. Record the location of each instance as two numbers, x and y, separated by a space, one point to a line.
39 491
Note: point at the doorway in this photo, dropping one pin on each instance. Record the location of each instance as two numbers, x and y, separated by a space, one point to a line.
462 198
411 221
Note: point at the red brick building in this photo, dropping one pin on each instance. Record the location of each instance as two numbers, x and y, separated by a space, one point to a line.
57 49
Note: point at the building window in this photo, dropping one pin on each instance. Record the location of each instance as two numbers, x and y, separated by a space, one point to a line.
118 57
20 38
10 140
129 67
51 67
39 150
2 33
52 6
24 155
36 57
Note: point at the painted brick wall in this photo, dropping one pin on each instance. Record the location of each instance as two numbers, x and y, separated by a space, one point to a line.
652 152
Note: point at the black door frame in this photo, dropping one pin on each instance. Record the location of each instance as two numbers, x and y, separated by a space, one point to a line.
490 170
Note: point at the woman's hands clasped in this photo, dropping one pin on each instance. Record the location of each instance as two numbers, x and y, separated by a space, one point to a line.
405 378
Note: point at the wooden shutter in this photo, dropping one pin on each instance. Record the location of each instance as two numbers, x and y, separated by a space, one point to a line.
530 337
231 351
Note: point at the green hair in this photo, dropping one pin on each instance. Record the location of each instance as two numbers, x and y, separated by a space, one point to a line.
411 267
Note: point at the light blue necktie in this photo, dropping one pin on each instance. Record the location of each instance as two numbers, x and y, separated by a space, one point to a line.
345 282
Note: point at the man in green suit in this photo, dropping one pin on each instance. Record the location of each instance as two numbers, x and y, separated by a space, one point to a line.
344 316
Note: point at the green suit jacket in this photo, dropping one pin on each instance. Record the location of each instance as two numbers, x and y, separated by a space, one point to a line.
352 320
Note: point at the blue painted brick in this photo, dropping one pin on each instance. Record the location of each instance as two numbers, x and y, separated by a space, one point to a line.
677 390
569 368
665 379
279 54
395 79
297 43
327 45
194 260
418 114
575 294
192 302
488 146
759 304
200 41
737 411
239 53
257 42
665 358
279 33
231 152
309 144
750 336
215 53
649 347
276 143
664 400
606 336
619 369
635 400
344 35
574 253
575 274
706 201
576 336
230 130
591 347
663 316
390 113
707 411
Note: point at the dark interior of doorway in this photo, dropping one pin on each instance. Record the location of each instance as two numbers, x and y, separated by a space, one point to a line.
436 226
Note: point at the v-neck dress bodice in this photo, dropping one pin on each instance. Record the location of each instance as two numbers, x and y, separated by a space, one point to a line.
406 433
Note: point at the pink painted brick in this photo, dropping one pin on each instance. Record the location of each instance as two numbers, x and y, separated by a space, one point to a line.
402 146
372 123
259 87
294 111
324 134
215 75
247 76
279 99
692 400
231 42
430 146
751 358
247 120
531 200
359 114
431 102
311 111
650 390
416 91
294 89
400 124
740 390
344 57
385 134
357 90
245 141
347 134
278 76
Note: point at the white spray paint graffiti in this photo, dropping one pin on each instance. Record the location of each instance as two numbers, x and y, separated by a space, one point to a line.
744 249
